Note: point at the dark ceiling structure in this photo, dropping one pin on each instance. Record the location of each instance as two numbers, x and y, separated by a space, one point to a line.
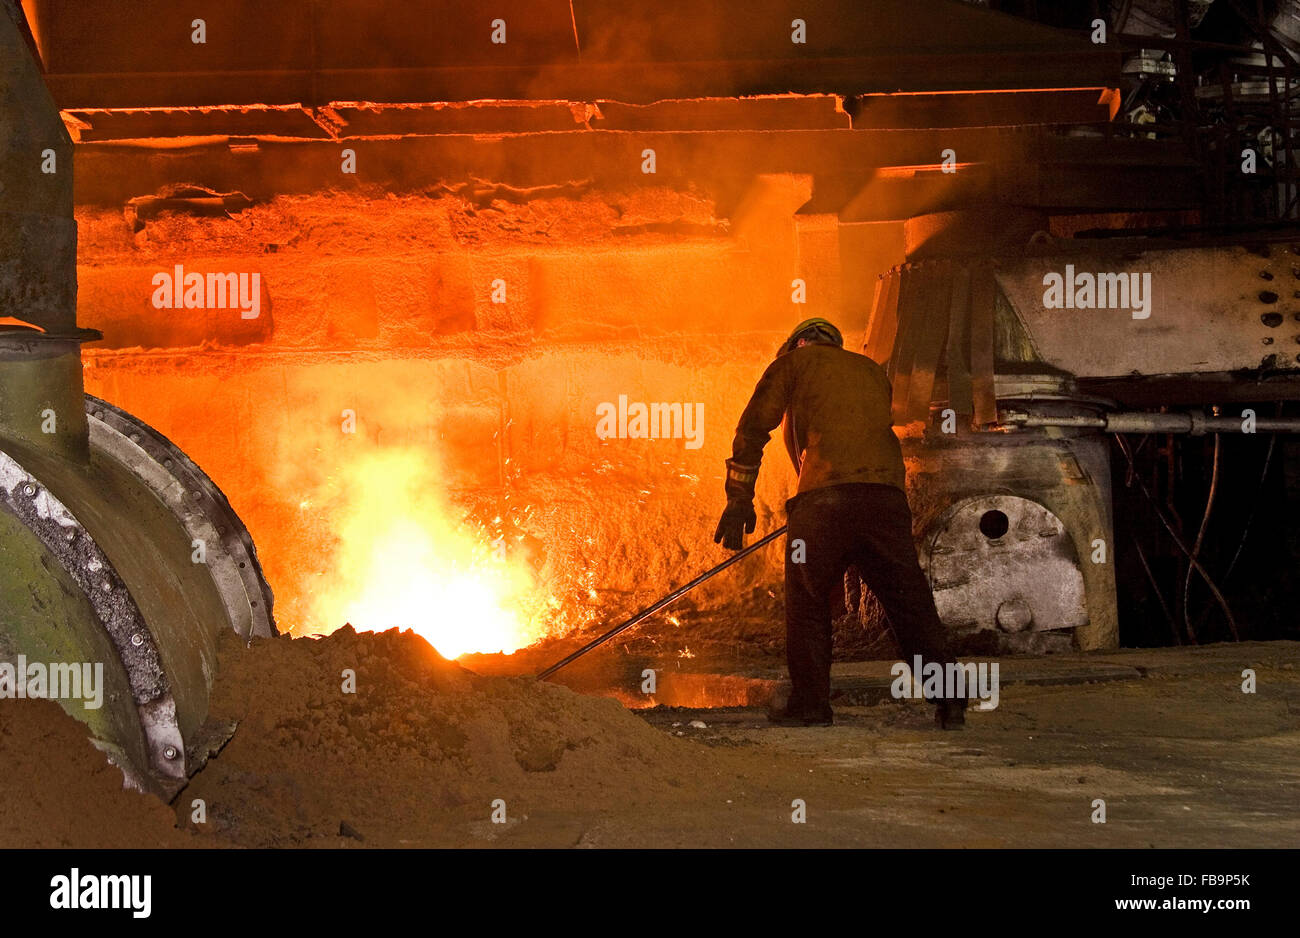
1155 118
139 53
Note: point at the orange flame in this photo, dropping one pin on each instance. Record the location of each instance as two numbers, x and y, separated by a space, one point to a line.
403 560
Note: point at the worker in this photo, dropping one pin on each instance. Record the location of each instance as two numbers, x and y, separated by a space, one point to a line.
850 509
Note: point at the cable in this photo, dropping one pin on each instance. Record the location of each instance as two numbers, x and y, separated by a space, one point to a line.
1178 541
1155 588
1254 509
1268 459
1121 16
1200 537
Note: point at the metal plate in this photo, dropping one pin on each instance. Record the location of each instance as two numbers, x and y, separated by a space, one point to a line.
1007 563
1212 310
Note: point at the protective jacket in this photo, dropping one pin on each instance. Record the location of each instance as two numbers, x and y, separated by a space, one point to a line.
835 406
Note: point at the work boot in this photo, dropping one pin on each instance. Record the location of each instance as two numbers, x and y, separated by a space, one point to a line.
801 716
950 714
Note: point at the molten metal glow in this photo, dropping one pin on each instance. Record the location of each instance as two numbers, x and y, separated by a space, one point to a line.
405 559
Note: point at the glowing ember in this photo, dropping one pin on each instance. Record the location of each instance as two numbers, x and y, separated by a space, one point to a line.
405 559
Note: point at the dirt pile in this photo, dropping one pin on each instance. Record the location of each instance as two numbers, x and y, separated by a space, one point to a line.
415 751
59 791
356 738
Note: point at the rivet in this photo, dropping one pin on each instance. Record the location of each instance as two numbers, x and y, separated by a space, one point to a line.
171 752
137 639
28 489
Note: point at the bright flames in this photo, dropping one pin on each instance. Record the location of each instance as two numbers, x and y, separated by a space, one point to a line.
404 559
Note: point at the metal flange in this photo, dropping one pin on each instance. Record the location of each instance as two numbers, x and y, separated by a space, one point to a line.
115 610
198 504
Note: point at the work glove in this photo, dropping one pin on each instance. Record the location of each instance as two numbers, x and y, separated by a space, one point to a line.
738 519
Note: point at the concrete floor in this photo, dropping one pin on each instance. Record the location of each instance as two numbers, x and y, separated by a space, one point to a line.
1166 738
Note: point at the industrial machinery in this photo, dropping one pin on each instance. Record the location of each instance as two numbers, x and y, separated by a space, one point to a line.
115 548
1011 372
386 194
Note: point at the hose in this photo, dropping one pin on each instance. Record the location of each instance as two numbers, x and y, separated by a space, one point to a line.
1178 541
1263 476
1155 588
1254 509
1200 538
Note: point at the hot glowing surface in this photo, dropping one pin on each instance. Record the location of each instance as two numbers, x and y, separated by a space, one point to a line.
406 558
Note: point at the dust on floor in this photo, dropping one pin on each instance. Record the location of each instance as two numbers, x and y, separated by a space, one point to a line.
424 753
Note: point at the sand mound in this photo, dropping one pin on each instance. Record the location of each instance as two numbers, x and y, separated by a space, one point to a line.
417 753
59 791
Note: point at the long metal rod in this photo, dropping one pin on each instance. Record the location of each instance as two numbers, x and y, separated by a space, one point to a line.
667 600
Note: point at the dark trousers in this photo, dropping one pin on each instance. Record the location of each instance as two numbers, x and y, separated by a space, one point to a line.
869 527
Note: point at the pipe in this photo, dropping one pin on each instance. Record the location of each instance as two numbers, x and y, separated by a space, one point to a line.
1193 423
41 394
